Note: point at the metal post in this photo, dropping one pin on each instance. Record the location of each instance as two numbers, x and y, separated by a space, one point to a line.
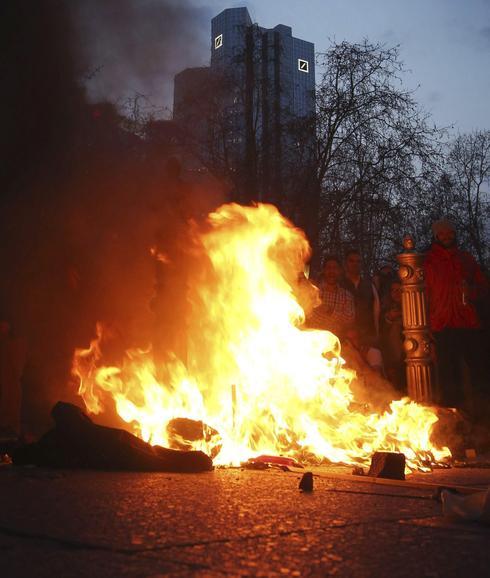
418 343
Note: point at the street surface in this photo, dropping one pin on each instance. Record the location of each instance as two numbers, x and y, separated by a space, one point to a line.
231 523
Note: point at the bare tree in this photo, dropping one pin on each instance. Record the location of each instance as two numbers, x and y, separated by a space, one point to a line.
374 147
460 190
468 169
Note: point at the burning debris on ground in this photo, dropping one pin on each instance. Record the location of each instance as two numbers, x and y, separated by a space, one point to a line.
76 442
387 465
251 379
184 432
292 392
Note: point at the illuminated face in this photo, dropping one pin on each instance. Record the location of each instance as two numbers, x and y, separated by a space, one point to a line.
331 272
353 264
446 237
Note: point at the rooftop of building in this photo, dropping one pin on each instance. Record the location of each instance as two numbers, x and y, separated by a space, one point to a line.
242 13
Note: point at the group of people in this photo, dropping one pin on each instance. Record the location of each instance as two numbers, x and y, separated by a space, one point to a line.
366 314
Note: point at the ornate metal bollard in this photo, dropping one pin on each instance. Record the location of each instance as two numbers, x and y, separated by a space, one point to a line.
417 344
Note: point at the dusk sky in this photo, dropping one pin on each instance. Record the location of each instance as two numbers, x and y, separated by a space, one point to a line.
444 44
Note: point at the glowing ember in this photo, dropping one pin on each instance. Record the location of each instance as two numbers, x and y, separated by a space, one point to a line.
252 374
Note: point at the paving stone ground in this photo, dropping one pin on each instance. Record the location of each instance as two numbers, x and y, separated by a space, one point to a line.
230 523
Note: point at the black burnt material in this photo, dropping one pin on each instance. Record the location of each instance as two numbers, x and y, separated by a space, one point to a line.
76 442
306 482
389 465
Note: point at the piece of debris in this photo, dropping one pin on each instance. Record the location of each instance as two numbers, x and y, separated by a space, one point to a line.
252 465
5 460
390 465
471 464
436 495
473 508
306 482
358 471
183 432
76 442
275 461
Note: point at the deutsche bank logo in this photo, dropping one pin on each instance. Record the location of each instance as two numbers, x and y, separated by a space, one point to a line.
218 42
303 65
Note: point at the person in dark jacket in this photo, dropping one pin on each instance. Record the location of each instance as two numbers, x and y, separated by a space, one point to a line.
454 285
366 298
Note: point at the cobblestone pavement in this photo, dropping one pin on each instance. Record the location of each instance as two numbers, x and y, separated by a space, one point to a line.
230 523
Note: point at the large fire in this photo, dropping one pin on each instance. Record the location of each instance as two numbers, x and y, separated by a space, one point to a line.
259 381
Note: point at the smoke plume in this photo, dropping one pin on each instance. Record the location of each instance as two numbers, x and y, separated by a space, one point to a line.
128 47
77 188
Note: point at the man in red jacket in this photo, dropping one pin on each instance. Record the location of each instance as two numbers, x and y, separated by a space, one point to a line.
454 284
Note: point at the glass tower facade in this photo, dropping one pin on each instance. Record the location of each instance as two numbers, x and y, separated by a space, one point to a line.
268 85
274 74
285 63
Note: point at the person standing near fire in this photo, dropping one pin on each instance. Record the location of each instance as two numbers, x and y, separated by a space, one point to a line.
336 312
366 298
455 285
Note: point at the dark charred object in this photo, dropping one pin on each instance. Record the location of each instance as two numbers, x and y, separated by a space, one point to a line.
389 465
306 482
76 442
8 441
453 429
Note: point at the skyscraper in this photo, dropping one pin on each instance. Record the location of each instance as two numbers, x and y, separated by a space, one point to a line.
284 63
265 83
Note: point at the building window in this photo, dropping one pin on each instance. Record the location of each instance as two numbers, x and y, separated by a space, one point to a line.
303 65
218 42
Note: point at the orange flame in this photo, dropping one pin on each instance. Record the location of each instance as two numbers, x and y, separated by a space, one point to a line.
264 384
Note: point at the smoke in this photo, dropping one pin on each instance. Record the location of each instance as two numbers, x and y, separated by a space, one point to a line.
128 47
76 188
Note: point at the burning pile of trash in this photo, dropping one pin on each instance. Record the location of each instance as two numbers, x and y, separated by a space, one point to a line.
252 375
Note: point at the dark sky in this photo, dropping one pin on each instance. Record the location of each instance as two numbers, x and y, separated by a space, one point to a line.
445 44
